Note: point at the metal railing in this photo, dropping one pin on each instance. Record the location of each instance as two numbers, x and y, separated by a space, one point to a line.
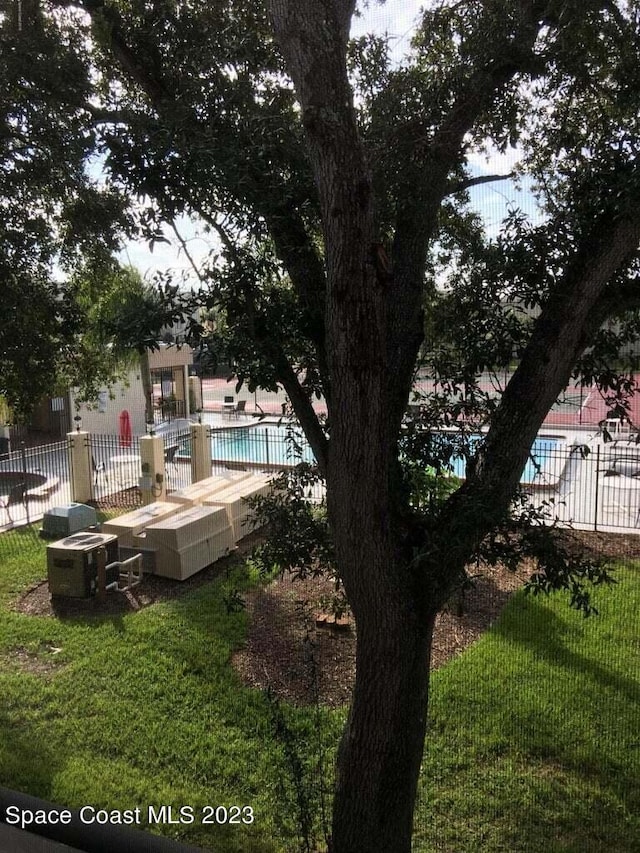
115 463
267 446
591 487
177 459
594 487
29 478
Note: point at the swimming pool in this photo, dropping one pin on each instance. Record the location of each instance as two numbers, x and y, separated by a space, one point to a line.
281 444
540 466
269 444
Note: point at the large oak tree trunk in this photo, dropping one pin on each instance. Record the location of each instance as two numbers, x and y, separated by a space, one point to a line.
381 750
380 754
373 329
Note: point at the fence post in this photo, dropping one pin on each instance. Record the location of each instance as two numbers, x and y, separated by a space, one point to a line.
595 507
80 465
200 452
5 441
195 393
23 451
153 482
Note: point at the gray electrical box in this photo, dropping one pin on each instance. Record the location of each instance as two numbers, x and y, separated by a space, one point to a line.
66 520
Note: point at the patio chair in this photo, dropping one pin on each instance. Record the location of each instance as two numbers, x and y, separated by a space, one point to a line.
228 406
170 455
17 495
239 408
98 468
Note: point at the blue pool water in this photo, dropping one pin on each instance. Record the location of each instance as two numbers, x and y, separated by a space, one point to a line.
540 451
261 444
268 444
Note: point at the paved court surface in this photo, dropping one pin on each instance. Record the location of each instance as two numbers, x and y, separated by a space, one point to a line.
579 407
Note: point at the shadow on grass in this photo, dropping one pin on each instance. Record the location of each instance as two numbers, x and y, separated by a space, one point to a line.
27 761
545 634
286 735
579 736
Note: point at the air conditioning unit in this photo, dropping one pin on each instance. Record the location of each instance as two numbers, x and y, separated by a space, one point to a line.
72 564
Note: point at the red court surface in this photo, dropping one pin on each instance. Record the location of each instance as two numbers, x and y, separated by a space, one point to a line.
578 408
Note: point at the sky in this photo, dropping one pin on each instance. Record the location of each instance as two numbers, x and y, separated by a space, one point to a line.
397 19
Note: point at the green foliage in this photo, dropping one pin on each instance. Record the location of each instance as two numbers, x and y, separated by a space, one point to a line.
256 311
429 488
34 328
561 562
300 540
54 216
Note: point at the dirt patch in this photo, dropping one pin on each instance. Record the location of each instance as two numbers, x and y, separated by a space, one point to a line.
42 662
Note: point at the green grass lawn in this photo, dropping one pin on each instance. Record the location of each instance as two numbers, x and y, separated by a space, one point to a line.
535 732
144 709
534 742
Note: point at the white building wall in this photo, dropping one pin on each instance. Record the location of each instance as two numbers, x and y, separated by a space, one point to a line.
103 416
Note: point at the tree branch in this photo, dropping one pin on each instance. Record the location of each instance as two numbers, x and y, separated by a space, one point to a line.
618 299
284 223
104 116
285 373
419 207
477 181
185 249
561 333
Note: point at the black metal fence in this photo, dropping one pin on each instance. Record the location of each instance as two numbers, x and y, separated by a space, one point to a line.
177 458
266 446
587 486
591 486
594 487
115 464
30 477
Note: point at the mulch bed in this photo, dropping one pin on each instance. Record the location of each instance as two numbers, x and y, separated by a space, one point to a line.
288 654
285 650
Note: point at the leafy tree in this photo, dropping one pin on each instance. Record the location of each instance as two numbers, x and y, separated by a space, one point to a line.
122 320
54 217
332 212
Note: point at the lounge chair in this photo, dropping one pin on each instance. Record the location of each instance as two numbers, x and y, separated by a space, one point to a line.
170 455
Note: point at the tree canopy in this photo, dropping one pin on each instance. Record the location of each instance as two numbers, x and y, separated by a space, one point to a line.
71 313
335 184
